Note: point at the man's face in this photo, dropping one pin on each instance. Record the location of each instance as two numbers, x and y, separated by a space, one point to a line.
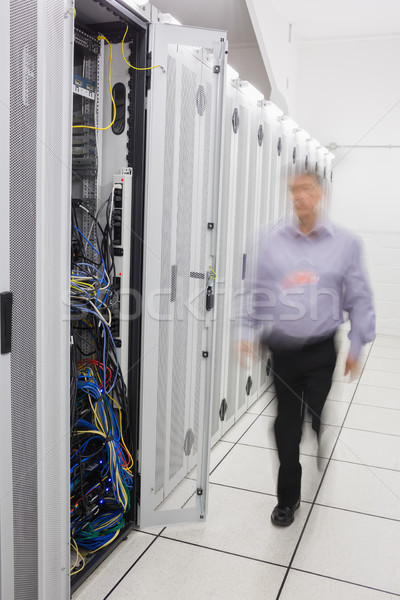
306 195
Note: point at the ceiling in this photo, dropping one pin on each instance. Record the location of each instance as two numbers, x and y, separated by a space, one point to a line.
311 19
323 19
230 15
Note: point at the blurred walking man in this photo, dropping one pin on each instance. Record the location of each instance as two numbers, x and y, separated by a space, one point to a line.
307 273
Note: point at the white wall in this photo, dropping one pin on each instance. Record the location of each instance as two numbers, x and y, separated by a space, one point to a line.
279 54
345 90
349 94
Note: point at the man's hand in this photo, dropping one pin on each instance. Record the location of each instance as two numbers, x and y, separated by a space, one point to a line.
352 367
244 351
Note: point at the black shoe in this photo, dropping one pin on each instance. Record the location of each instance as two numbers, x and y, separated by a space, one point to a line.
284 515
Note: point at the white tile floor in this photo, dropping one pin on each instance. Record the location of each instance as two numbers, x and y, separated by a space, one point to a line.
345 541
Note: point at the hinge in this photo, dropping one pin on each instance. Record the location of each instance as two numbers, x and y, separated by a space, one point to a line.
294 155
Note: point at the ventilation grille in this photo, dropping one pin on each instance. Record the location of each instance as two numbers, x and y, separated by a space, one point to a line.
165 283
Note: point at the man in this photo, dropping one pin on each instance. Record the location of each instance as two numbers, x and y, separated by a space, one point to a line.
307 272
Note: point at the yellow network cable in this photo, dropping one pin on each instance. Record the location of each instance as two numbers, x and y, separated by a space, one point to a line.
78 554
128 63
101 37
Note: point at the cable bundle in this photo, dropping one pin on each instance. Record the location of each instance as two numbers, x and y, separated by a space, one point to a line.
101 464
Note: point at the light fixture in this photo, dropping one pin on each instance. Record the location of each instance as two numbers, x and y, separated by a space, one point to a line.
169 19
141 2
231 73
251 91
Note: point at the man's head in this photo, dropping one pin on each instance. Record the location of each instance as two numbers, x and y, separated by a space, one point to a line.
306 189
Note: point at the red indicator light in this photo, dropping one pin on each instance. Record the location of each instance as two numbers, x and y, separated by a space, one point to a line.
121 179
120 274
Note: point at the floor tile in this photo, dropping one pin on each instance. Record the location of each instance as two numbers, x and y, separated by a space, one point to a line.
218 452
260 404
261 434
333 413
388 341
114 567
371 418
238 429
380 378
341 391
304 586
353 547
239 522
374 449
384 364
360 488
377 396
175 571
385 352
256 469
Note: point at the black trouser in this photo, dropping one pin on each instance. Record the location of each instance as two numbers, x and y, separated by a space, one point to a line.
302 379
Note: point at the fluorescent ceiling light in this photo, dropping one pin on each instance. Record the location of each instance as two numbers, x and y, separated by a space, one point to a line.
168 18
231 73
251 91
141 2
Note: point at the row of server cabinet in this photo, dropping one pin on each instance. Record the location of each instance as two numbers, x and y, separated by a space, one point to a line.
132 202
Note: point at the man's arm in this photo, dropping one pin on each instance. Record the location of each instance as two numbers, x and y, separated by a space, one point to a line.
358 303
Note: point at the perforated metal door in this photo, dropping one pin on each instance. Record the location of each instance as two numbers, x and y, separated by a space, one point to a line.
185 105
38 116
6 505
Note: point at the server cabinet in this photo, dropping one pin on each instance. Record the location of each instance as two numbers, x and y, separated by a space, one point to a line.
36 125
223 414
239 377
184 120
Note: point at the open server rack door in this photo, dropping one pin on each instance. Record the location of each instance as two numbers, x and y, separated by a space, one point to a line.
184 123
